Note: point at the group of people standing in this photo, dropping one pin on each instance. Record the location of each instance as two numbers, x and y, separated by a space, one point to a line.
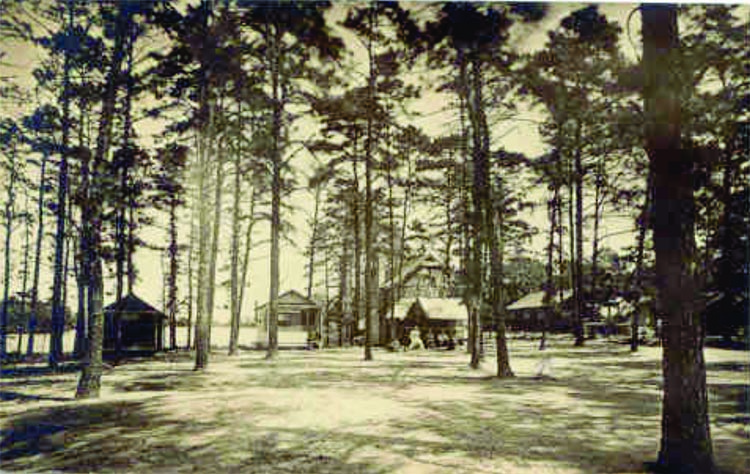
434 340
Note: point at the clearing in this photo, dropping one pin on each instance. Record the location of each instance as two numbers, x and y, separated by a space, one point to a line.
329 411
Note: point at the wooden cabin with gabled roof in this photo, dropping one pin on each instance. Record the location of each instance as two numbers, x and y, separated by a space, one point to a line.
298 320
133 327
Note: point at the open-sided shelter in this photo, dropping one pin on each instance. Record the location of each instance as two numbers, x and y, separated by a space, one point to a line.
137 325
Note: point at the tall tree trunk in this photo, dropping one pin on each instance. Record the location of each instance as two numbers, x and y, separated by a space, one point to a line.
598 205
497 250
123 166
84 311
9 214
549 290
686 438
481 197
572 267
58 306
234 309
40 207
90 380
195 300
206 137
644 223
391 243
216 234
356 231
371 329
173 270
346 307
313 243
449 224
404 217
245 264
81 258
276 185
26 256
202 328
578 290
191 256
474 217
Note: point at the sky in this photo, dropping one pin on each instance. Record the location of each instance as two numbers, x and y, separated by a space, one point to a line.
518 135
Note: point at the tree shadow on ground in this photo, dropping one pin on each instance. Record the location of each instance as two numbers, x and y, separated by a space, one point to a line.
7 396
137 437
29 382
186 380
39 370
728 366
730 408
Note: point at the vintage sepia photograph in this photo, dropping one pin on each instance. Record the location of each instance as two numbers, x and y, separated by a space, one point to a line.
362 236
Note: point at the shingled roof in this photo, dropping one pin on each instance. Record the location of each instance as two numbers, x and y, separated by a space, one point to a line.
131 304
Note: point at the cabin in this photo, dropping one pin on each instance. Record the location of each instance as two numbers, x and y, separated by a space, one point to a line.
298 320
338 325
432 316
531 313
133 325
426 278
725 314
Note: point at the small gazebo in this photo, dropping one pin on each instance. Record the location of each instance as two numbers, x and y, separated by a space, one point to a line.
138 326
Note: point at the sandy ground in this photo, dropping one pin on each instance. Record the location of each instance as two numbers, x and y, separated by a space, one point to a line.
219 339
596 410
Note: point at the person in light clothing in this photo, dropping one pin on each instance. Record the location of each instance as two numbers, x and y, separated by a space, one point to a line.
415 340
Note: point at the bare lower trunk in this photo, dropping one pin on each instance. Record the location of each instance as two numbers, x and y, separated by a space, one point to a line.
686 439
549 290
578 290
356 233
37 258
89 384
276 184
497 249
371 277
234 260
202 347
643 226
246 261
9 216
216 234
58 305
173 269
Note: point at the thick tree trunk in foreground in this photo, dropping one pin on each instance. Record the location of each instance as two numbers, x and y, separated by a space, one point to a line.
89 382
686 439
202 347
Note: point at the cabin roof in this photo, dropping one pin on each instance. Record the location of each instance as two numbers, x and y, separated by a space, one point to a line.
295 299
534 300
130 303
452 309
449 309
